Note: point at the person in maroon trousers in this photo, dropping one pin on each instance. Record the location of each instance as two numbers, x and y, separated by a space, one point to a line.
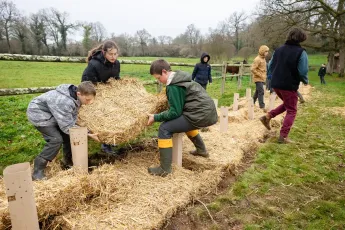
289 67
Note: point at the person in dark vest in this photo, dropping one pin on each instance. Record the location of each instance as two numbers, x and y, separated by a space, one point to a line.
322 73
190 108
202 71
103 65
289 67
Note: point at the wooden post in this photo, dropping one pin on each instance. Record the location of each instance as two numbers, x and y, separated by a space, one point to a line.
20 196
235 104
78 137
251 109
240 73
272 100
177 149
264 91
215 102
248 93
224 119
223 78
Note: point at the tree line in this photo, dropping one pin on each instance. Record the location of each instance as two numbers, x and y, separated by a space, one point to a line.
48 32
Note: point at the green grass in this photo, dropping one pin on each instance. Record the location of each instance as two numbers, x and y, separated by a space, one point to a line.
17 74
295 186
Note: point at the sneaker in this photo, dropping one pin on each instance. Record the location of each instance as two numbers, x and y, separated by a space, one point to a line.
266 122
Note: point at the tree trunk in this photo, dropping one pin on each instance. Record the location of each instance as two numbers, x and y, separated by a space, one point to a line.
341 61
330 62
8 38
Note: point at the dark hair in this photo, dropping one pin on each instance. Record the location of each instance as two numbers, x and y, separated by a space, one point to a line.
297 35
158 66
106 46
86 88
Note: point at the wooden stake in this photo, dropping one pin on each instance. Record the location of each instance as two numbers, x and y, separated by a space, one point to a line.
251 109
248 93
235 104
78 137
224 114
20 196
177 149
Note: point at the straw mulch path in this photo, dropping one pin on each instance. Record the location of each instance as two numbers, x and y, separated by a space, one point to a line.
125 196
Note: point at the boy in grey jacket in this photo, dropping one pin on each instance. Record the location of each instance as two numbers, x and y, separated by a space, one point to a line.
53 113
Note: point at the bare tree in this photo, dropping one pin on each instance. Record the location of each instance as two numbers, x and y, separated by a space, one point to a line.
58 27
8 15
193 35
235 24
143 37
98 32
37 28
218 45
21 31
323 19
165 40
87 42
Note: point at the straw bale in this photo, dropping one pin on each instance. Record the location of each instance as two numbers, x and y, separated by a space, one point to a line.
149 200
119 112
68 190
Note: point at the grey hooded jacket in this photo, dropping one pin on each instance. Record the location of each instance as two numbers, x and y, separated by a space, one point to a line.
54 108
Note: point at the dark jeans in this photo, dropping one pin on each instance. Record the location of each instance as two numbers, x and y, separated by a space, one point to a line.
204 86
178 125
289 105
54 138
322 79
259 94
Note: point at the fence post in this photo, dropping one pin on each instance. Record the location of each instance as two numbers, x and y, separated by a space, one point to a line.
223 78
240 73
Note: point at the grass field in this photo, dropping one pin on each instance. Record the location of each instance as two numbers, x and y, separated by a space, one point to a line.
296 186
37 74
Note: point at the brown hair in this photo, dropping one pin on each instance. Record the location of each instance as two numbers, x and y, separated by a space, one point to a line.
106 46
297 35
158 66
86 88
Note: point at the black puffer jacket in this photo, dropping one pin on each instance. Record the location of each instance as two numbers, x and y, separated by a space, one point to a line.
202 71
99 69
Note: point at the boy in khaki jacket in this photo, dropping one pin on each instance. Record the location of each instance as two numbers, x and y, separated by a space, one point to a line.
259 71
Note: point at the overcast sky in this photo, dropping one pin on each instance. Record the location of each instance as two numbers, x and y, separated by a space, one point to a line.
158 17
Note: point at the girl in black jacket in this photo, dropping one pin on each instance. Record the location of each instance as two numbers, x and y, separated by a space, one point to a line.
102 65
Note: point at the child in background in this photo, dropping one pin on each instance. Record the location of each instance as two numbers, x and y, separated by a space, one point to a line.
202 71
322 73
